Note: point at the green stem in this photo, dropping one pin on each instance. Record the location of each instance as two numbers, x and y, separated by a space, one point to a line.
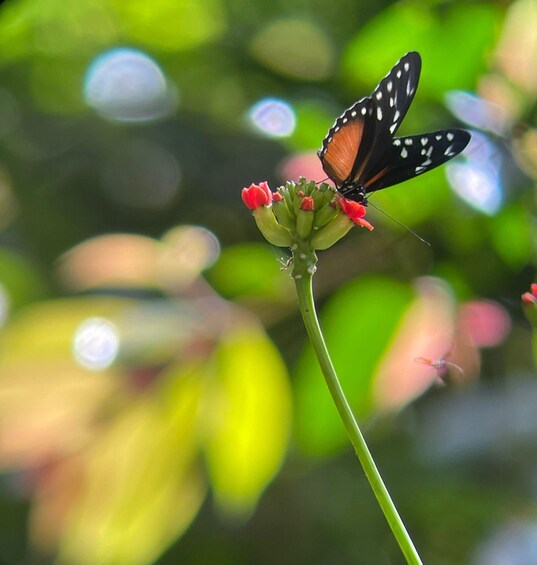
304 267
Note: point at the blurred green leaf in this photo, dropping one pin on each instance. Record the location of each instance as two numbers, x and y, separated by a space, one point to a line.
54 28
248 417
76 28
511 232
17 20
459 47
312 123
364 63
453 42
295 47
251 270
183 24
358 323
20 279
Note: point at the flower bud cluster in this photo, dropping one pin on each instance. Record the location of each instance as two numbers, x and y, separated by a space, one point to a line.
303 212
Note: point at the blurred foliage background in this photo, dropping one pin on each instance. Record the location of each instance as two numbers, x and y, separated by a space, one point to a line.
158 400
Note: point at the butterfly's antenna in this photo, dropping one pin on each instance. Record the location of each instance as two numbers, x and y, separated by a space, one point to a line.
321 181
399 223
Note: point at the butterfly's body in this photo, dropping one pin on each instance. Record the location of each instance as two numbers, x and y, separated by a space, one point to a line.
360 153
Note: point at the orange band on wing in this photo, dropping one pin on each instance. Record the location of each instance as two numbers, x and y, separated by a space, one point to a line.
376 177
341 151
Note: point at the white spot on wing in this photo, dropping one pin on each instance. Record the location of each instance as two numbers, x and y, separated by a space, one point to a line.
379 95
363 110
345 120
397 142
396 115
438 137
448 150
379 114
393 127
353 114
404 153
424 141
450 136
407 66
392 101
408 141
398 73
389 86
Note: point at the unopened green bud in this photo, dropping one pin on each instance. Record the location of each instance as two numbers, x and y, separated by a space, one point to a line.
324 215
304 222
324 195
268 225
332 232
283 215
291 189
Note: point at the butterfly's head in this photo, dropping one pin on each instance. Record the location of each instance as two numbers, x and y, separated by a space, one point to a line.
354 191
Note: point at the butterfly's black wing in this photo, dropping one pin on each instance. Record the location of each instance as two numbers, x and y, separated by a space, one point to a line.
359 140
413 155
391 101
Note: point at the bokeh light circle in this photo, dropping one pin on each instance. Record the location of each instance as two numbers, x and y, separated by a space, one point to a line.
273 117
127 85
96 344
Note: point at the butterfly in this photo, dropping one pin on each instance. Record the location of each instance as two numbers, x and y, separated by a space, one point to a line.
360 153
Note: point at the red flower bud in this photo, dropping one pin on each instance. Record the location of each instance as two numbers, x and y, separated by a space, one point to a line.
529 298
533 289
355 211
277 197
307 204
301 193
257 195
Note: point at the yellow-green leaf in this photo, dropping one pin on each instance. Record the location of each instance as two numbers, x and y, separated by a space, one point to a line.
248 418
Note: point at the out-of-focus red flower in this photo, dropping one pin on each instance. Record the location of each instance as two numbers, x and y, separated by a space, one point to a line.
307 204
529 304
530 297
485 322
355 211
257 195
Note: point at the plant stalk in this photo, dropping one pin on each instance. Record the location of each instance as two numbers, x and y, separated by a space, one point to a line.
304 262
